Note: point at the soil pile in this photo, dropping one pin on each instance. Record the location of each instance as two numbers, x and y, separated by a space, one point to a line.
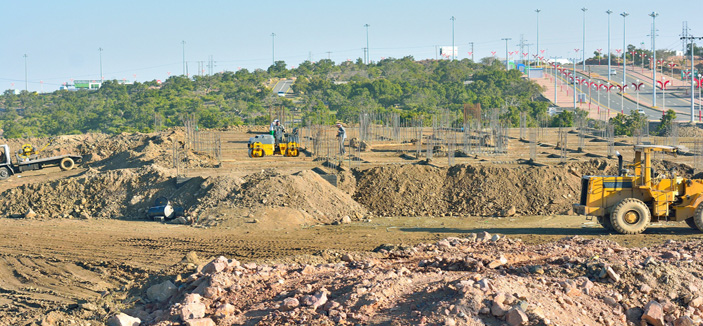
420 190
305 191
690 131
124 193
128 193
481 190
482 279
119 151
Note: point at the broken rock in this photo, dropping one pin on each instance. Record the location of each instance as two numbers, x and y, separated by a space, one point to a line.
200 322
161 292
516 317
653 313
123 319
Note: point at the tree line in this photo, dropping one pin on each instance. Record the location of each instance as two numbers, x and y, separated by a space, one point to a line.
323 90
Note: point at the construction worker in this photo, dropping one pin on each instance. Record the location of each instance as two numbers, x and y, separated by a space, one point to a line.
272 128
341 136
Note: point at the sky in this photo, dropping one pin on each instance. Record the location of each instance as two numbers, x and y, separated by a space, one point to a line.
143 40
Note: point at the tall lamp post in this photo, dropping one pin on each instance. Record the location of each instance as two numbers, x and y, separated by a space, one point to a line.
368 55
654 57
184 57
583 54
507 66
26 81
453 51
101 64
273 49
537 11
624 15
609 12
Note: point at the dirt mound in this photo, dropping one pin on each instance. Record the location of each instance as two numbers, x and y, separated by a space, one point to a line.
305 191
482 279
481 190
128 193
126 150
418 190
690 131
125 193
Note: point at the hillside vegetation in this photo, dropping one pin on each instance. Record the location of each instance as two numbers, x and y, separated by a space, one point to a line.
324 91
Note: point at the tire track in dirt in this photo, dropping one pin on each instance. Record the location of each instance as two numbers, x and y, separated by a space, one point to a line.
34 285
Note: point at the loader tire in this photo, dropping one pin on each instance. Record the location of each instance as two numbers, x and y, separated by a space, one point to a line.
630 216
691 223
698 217
67 164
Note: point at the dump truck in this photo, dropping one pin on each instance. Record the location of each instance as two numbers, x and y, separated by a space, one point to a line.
27 159
638 195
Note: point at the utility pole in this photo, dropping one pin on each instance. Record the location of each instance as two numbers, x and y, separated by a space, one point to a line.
654 59
522 46
184 57
693 47
329 55
507 66
273 49
368 54
583 54
101 64
453 49
26 81
624 15
537 11
574 72
472 51
609 12
555 79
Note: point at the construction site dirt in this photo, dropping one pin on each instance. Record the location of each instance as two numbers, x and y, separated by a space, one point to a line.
87 253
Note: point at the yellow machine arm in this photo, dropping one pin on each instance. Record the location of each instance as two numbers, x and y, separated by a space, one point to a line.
28 150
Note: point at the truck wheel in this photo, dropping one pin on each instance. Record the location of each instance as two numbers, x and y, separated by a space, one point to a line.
698 217
4 173
630 216
67 164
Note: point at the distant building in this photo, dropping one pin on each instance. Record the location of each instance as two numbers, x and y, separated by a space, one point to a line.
87 84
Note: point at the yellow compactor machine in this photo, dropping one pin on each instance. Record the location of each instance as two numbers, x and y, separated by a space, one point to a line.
263 145
637 196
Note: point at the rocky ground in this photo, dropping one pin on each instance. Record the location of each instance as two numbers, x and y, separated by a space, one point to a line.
480 279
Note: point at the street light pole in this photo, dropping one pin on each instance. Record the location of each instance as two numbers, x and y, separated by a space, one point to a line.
453 52
574 83
26 81
273 49
537 11
184 57
507 67
583 54
101 64
624 15
609 12
654 58
368 56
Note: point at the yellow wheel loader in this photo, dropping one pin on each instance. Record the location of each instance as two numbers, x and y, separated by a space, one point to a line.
637 196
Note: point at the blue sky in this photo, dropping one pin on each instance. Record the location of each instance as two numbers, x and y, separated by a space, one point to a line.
143 38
